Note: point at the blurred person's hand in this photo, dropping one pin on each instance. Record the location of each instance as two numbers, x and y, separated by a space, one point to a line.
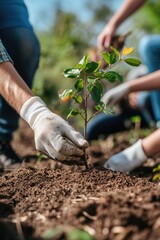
105 37
128 159
53 135
133 99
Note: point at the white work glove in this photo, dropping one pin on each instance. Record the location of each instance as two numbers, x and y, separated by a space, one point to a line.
115 94
53 135
127 160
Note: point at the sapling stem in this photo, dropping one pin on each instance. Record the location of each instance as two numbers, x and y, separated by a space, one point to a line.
85 115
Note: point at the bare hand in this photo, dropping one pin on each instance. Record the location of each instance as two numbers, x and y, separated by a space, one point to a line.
105 37
132 98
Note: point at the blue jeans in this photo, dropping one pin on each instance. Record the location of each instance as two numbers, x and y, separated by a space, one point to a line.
149 49
103 125
23 47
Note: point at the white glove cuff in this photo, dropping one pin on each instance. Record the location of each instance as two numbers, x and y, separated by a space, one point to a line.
140 156
32 108
124 88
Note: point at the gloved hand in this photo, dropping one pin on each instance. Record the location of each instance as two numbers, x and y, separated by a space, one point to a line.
115 94
53 135
127 160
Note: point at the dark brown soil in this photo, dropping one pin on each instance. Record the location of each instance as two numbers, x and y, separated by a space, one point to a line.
40 195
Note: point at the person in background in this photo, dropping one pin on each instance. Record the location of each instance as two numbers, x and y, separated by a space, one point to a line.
149 46
23 47
53 135
137 154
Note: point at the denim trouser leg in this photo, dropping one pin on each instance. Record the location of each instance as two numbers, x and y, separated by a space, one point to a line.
149 49
144 106
23 47
103 125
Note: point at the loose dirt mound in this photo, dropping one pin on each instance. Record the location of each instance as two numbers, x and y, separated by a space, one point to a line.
43 195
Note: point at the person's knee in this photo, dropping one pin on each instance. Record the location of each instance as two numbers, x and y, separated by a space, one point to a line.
91 133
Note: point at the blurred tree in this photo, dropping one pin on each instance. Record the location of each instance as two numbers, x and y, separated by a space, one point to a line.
101 11
148 17
62 46
66 42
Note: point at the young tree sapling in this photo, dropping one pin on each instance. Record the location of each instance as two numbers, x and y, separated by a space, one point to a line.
88 77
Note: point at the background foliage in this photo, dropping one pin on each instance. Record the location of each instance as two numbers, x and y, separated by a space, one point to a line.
69 39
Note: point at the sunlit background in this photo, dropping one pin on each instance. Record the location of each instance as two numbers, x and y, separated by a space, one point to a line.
67 29
42 13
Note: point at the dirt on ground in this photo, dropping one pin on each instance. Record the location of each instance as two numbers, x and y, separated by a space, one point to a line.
41 199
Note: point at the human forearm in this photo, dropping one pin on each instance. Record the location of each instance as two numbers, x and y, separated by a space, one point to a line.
126 10
104 39
145 83
53 135
13 88
151 144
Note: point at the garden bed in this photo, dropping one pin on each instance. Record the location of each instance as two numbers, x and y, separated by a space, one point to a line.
42 195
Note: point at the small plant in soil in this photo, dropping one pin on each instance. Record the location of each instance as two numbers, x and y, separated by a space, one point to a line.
68 234
88 80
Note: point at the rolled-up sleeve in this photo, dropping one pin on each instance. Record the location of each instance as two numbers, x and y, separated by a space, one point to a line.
4 56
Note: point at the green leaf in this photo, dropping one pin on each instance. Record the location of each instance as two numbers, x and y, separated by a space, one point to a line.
110 58
71 72
156 168
90 86
97 92
113 58
79 85
66 95
136 119
99 73
116 51
74 112
100 106
99 64
52 233
91 67
83 62
133 61
77 234
66 92
106 57
41 156
108 111
156 177
91 79
78 99
112 76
